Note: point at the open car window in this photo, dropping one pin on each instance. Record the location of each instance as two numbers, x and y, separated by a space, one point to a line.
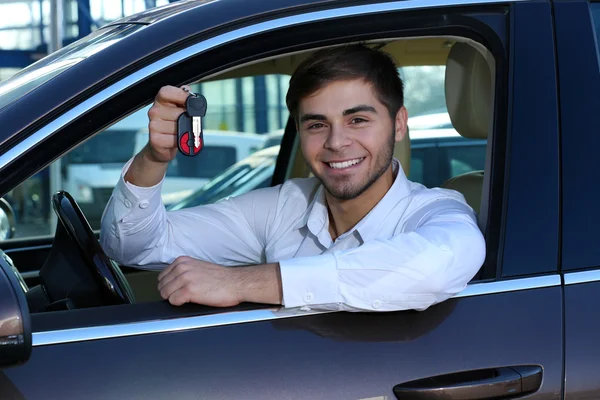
245 115
246 118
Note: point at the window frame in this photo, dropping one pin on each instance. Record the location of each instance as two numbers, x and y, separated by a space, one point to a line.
135 93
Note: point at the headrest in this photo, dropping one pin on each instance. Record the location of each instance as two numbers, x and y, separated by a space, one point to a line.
402 153
468 91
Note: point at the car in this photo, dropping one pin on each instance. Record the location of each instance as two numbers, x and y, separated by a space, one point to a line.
439 154
431 120
253 172
514 74
274 138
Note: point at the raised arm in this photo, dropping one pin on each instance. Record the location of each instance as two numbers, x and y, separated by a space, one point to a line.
136 229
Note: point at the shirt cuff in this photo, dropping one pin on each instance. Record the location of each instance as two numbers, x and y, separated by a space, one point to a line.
309 280
135 202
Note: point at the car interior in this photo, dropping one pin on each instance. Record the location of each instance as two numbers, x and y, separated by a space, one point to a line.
469 93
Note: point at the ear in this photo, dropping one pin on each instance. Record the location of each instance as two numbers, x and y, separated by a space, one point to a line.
401 124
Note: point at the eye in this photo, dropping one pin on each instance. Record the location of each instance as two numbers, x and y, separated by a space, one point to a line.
358 120
318 125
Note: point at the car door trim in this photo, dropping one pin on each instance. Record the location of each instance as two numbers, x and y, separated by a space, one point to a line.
309 17
574 278
239 317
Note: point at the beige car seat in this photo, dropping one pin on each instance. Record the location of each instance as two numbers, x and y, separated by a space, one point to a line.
469 99
402 152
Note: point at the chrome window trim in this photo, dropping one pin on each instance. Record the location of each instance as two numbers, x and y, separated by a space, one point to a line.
239 317
38 137
574 278
510 285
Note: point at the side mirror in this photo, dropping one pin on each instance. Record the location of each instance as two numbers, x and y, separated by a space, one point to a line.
15 320
7 220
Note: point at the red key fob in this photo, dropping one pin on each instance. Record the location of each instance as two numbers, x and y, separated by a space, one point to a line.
185 137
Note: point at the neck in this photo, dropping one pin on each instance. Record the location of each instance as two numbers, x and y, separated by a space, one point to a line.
345 214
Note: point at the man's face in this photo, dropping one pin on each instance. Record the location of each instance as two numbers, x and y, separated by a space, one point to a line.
347 136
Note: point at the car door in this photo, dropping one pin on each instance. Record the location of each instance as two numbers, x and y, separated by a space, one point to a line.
501 337
578 62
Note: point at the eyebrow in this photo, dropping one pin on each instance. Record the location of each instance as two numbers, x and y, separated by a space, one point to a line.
360 108
311 117
350 111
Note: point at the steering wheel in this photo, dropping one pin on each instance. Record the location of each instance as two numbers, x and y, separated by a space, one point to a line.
103 283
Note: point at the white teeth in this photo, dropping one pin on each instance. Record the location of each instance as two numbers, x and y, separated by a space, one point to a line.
345 164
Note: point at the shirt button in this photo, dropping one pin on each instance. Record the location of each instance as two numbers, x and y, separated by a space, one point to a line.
127 204
308 297
376 304
445 247
144 204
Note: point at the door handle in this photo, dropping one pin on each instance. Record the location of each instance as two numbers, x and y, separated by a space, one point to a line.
490 383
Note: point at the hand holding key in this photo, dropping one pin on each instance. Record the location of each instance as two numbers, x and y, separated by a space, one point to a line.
168 106
175 123
150 165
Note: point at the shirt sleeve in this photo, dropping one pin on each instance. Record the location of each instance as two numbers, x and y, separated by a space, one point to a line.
137 231
411 270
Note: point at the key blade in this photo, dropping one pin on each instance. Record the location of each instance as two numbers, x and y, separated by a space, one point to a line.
197 130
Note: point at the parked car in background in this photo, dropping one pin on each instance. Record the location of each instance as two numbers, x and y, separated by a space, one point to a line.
253 172
430 120
440 154
274 138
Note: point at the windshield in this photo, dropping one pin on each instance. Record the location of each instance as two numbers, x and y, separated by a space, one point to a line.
52 65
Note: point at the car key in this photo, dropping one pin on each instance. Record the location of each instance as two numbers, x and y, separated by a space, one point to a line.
189 125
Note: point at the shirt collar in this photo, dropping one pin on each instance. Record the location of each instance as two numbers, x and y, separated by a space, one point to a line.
368 226
316 216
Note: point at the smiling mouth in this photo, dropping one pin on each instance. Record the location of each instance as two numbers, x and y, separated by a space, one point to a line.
345 164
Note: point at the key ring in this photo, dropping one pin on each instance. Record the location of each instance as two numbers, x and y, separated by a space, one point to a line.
188 91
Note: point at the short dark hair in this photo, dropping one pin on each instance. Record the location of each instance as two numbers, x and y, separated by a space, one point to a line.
347 62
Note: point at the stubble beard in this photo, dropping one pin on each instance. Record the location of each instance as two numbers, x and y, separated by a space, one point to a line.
346 190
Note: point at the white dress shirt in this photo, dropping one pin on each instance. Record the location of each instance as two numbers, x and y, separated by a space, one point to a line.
415 248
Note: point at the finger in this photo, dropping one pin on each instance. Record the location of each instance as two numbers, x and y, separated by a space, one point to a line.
175 284
176 262
160 112
165 141
171 96
167 287
180 297
174 274
162 127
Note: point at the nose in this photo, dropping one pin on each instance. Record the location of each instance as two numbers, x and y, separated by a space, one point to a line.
337 139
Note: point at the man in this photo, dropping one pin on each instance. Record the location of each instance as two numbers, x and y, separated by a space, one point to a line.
356 236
